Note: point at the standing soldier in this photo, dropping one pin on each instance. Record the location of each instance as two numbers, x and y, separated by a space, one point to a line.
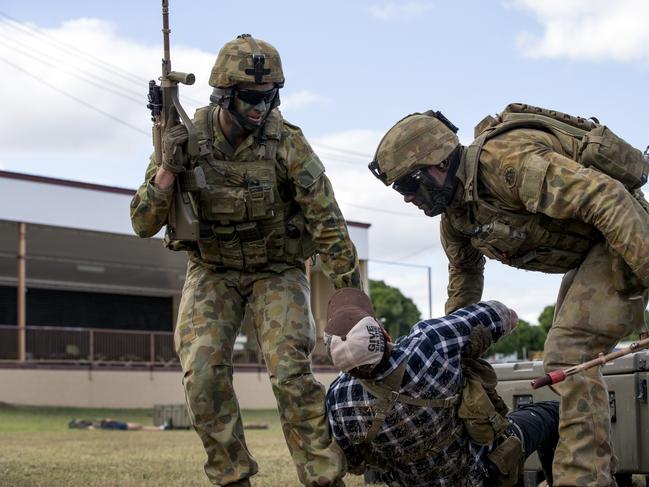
523 193
265 206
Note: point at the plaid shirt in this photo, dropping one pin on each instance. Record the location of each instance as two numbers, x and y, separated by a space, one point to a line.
432 350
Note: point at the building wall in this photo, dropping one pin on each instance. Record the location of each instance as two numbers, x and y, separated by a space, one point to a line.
124 389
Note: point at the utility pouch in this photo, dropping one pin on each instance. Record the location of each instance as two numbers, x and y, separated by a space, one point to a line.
259 200
508 458
607 152
481 410
253 245
210 250
223 203
483 423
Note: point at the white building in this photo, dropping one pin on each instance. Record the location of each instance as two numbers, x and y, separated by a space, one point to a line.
84 268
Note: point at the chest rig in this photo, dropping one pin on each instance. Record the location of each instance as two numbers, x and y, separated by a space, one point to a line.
247 215
526 241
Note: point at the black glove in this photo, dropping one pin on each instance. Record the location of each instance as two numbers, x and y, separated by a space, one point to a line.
172 141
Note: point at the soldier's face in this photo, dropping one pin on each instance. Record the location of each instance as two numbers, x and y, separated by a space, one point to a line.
253 101
427 189
437 174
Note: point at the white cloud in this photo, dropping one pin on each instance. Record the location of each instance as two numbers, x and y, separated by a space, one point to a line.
55 93
302 99
394 10
594 30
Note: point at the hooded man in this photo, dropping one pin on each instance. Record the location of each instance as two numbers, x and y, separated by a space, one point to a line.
399 407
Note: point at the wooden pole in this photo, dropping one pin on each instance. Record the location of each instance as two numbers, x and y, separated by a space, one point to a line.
20 302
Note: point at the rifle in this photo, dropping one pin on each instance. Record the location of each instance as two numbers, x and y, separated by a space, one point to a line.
560 374
166 112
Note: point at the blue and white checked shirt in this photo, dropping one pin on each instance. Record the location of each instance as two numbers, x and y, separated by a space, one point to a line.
432 350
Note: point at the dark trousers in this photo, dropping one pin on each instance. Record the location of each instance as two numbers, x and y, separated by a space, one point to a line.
537 426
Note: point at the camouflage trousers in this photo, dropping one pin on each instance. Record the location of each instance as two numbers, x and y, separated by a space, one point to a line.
590 317
211 312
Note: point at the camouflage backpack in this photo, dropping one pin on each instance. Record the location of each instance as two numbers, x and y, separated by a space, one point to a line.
586 141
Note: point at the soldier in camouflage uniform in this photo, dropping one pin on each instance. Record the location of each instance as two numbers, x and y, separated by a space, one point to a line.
521 194
266 207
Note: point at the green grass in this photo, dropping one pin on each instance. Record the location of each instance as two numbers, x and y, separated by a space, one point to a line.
38 450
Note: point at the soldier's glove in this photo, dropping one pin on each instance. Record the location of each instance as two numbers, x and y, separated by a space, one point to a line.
173 140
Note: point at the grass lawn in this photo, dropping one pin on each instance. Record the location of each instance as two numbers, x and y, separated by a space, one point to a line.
38 449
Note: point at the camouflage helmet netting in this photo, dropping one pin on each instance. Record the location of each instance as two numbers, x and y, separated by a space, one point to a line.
414 142
236 56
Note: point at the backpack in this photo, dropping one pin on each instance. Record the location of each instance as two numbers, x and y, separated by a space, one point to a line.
585 140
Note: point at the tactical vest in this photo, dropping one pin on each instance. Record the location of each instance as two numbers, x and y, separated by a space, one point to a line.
535 241
248 217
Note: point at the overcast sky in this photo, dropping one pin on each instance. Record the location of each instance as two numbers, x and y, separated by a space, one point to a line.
75 78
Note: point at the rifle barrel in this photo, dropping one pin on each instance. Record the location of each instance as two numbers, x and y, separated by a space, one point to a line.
166 60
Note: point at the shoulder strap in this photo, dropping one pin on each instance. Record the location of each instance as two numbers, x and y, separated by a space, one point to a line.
387 394
509 120
269 140
204 122
469 168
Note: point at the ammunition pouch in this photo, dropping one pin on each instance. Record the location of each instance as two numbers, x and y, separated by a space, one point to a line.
508 459
240 247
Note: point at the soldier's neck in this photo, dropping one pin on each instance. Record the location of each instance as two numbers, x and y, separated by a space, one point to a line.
232 130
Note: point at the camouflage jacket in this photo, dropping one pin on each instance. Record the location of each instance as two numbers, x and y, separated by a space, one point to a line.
324 221
523 175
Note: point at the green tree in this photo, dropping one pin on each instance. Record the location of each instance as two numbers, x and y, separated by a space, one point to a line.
397 312
545 318
524 339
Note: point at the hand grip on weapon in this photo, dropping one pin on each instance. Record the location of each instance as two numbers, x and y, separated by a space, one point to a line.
173 140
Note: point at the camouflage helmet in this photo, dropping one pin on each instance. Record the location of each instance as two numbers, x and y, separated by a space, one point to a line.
246 60
416 141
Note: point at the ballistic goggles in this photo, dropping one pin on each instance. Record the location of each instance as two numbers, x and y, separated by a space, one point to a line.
255 97
409 184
